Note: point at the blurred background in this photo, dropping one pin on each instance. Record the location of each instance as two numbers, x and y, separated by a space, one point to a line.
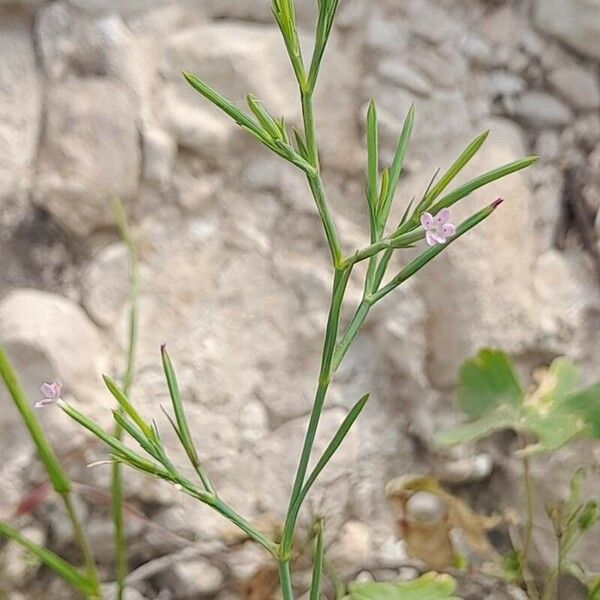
235 273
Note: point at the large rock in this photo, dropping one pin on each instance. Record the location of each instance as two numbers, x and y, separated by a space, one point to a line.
47 338
574 22
479 291
90 153
20 107
50 338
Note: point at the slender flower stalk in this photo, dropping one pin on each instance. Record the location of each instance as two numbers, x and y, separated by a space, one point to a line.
116 483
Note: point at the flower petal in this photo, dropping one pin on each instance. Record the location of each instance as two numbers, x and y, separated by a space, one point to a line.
448 229
430 238
443 216
426 220
48 390
44 402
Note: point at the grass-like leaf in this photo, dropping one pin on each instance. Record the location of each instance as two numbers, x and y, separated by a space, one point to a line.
318 560
468 188
124 403
60 566
396 168
467 154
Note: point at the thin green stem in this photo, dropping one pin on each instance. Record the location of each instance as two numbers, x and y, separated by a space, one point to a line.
285 579
240 522
116 483
350 335
117 514
529 503
339 287
83 543
315 181
315 585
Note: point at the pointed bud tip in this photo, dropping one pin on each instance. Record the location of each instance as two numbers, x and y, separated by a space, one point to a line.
163 348
497 203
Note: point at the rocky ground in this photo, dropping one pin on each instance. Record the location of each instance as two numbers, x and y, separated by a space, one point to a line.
234 269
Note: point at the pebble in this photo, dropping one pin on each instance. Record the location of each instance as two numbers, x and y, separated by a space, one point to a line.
577 86
541 109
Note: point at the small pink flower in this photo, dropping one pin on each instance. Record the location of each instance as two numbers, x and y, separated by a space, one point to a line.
51 392
437 229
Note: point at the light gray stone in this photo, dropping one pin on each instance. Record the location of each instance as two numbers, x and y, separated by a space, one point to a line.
578 86
51 338
17 563
159 152
504 83
547 145
79 168
404 76
353 548
20 109
541 109
193 578
574 22
105 284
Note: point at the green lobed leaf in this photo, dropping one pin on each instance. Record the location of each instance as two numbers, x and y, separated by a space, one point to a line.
488 381
431 586
556 413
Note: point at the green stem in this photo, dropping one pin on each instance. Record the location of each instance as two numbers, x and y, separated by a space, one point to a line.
285 579
351 333
240 522
116 482
339 287
529 498
83 543
315 181
117 514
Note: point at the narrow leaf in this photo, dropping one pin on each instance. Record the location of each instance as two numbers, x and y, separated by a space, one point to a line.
126 454
262 114
315 585
373 155
396 169
483 180
335 443
127 406
458 165
182 423
60 566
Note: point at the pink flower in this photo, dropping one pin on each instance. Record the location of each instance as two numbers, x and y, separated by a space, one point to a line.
51 392
437 229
